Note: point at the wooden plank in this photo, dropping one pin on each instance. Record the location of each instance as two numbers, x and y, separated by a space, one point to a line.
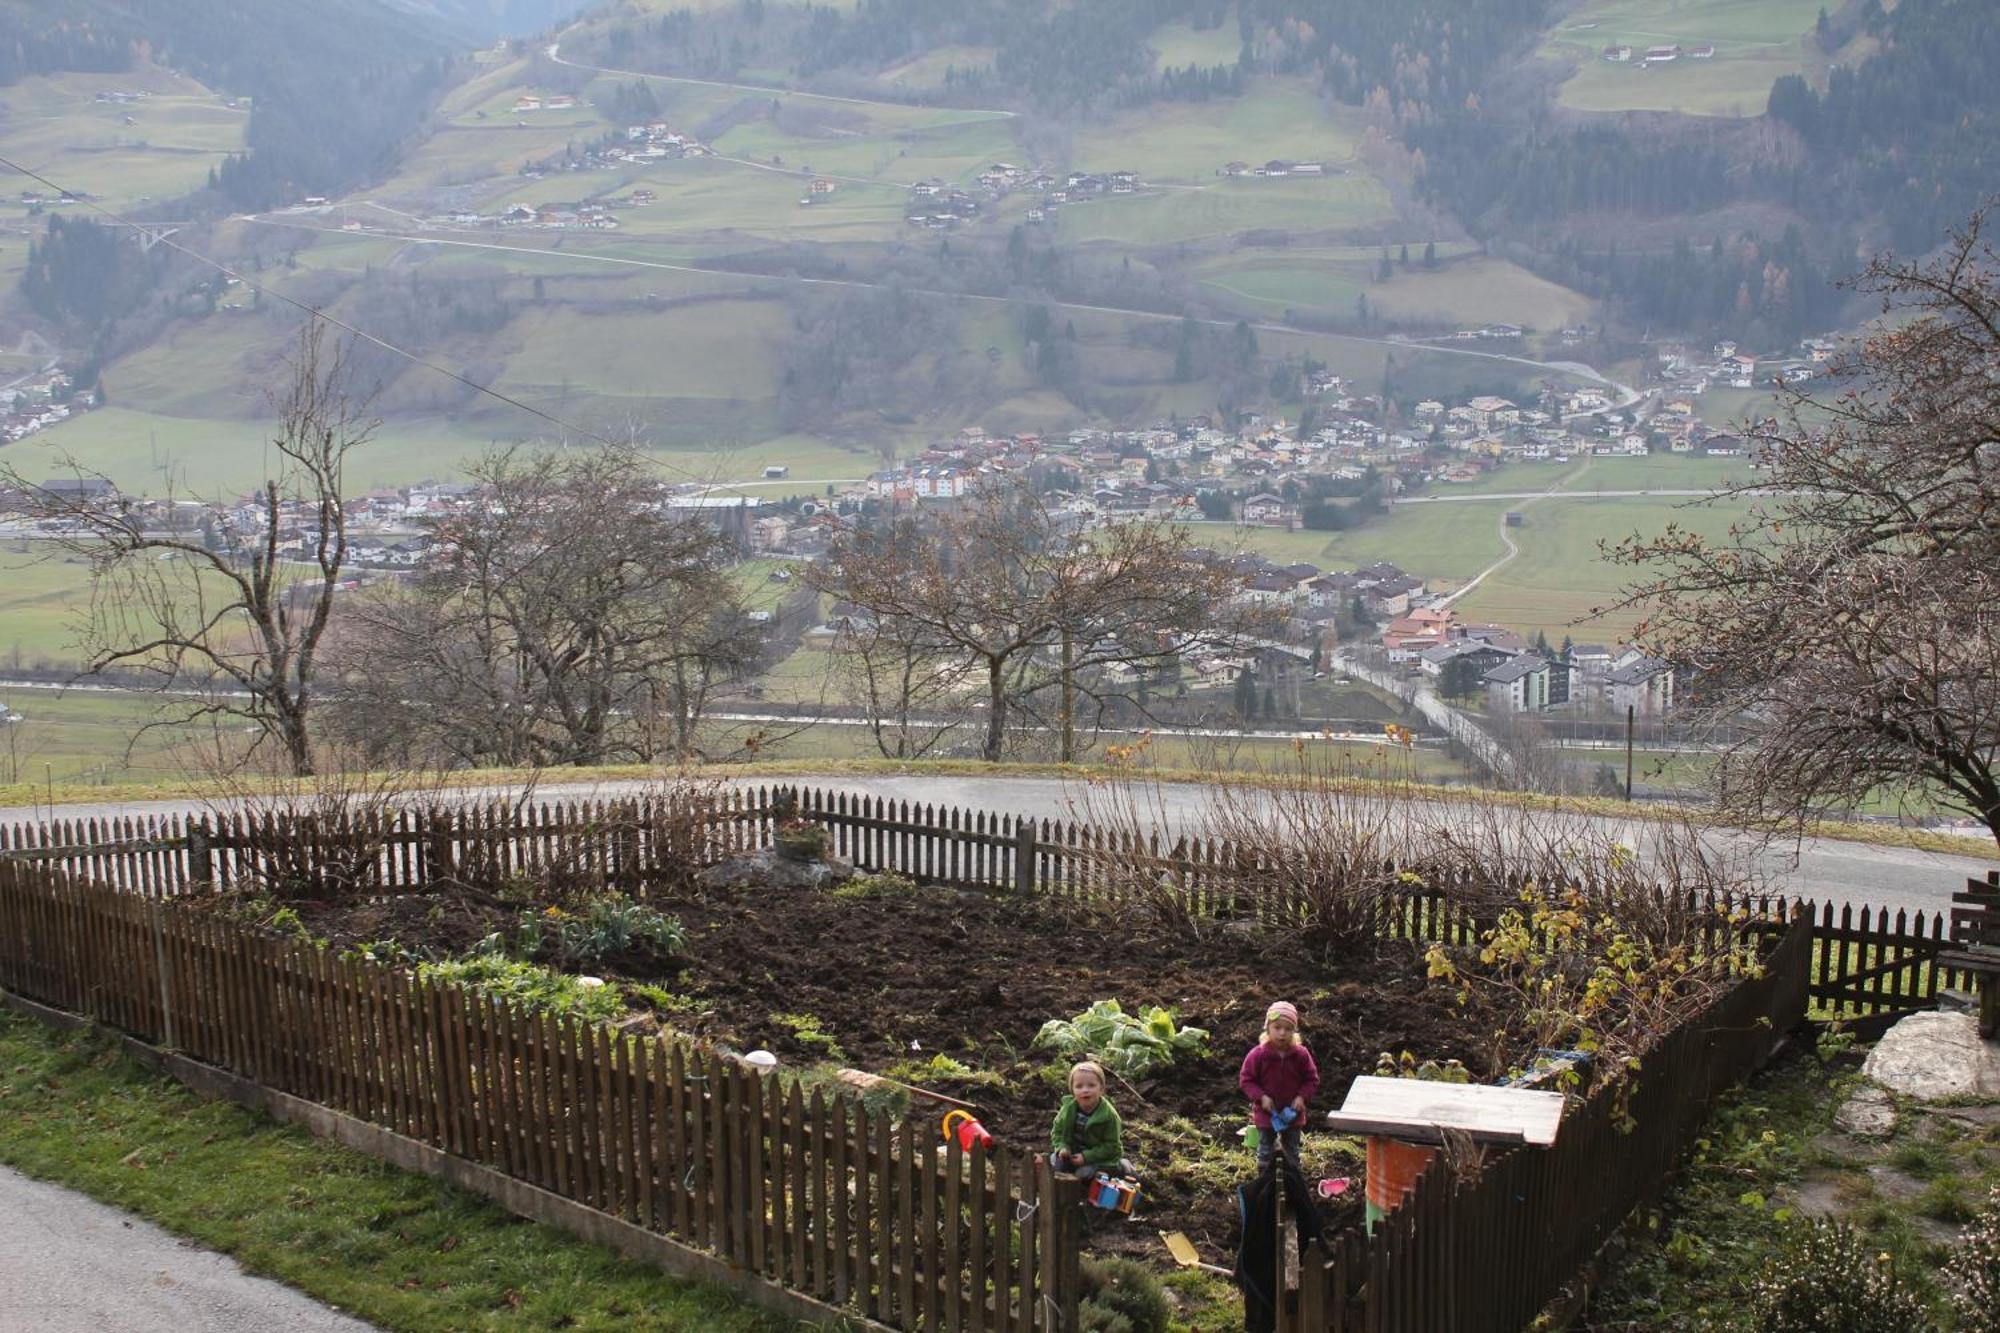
646 1131
756 1210
797 1140
843 1227
904 1251
821 1253
958 1284
677 1159
928 1252
1507 1114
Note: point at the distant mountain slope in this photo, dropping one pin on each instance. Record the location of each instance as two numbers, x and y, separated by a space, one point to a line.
335 85
487 19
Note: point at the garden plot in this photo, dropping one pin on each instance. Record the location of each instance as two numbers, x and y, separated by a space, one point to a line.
947 989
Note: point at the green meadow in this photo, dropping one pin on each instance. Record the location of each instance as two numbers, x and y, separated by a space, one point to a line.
1225 208
176 132
1192 141
1755 43
1561 577
1465 288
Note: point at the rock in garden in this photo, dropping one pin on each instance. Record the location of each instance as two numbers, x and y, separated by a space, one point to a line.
767 869
1932 1056
1868 1114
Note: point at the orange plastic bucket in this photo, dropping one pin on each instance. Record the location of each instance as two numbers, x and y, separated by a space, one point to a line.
1393 1169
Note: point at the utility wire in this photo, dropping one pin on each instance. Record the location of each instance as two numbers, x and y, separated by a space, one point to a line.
335 321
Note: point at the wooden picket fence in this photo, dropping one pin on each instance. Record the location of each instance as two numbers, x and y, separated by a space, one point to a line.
800 1189
1489 1251
1867 961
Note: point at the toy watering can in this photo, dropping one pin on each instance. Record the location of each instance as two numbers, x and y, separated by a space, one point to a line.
1114 1194
960 1125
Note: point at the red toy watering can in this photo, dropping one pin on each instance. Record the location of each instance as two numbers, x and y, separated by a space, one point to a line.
961 1126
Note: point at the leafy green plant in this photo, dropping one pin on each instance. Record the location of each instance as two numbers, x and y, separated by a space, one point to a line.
604 926
941 1068
1121 1294
1575 972
387 952
1827 1279
887 884
1405 1065
532 989
806 1031
660 999
1130 1045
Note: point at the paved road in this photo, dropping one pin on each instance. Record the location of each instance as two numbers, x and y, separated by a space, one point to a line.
69 1264
1823 868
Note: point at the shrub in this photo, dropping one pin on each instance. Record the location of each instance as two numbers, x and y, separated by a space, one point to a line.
1826 1279
1121 1294
1974 1268
1130 1045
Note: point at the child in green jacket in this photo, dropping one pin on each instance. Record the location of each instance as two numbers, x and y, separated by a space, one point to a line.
1087 1137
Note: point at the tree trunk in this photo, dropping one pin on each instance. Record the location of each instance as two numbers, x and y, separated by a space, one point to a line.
996 708
1068 754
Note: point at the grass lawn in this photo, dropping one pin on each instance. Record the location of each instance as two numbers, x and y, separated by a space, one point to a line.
1191 141
87 738
721 349
1675 472
1755 44
1225 208
400 1251
1474 289
1772 1159
1560 575
40 592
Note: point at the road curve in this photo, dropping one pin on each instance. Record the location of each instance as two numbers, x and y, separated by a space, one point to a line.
69 1264
1826 869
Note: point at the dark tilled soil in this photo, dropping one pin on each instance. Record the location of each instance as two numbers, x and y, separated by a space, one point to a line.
900 978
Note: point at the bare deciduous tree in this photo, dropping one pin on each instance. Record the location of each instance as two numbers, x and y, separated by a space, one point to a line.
236 616
907 683
563 616
1021 593
1854 617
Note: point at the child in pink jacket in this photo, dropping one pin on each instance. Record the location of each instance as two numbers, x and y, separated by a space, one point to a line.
1278 1075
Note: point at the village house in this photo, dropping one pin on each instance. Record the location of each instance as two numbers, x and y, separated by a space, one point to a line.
1641 683
1520 684
1267 510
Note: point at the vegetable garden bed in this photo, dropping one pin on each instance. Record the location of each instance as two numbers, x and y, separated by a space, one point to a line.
947 989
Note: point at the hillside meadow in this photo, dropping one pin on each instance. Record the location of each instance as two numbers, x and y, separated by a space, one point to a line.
1755 43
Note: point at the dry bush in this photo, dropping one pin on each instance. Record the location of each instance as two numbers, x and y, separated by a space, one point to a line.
327 836
1331 857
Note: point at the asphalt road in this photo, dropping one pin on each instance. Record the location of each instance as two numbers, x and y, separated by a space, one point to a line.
69 1264
1825 869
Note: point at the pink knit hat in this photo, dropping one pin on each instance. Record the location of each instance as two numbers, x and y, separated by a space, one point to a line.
1282 1009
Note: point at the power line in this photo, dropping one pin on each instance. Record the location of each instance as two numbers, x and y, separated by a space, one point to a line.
335 321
